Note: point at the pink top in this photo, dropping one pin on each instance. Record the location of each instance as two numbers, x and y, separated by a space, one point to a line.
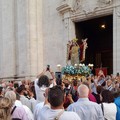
20 113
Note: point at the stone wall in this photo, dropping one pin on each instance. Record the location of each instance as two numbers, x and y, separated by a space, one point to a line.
21 42
53 35
34 33
7 39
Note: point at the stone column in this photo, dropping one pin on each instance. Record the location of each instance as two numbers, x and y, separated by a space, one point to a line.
116 40
39 36
7 35
21 37
35 41
1 40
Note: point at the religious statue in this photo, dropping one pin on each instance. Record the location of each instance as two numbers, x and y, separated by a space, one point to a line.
75 52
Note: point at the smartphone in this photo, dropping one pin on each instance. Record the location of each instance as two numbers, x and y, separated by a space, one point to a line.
58 77
117 74
48 67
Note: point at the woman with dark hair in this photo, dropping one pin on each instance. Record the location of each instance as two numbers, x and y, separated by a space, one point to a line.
43 81
107 96
74 90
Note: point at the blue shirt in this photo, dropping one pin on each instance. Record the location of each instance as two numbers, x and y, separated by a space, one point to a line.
86 109
117 102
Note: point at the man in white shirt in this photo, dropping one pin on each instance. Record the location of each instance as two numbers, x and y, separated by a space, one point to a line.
37 110
86 109
56 111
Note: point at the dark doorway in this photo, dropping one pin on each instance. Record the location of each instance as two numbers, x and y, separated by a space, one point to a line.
99 32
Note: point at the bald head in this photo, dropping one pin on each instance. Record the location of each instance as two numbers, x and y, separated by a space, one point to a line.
83 91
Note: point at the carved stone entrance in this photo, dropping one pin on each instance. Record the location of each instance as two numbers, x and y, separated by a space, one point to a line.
99 32
80 10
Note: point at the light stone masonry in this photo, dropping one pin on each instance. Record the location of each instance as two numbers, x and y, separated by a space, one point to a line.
34 33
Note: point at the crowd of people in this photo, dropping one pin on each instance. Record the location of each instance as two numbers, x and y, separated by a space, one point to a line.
96 98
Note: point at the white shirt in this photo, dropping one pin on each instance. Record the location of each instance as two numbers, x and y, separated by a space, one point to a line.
28 112
110 111
37 110
86 109
47 113
39 92
25 101
33 104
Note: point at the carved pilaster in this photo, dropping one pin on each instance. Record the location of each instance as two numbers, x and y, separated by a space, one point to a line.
118 11
1 40
35 41
32 46
116 39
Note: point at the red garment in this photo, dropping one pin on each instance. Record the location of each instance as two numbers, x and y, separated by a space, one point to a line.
81 52
75 87
91 97
66 103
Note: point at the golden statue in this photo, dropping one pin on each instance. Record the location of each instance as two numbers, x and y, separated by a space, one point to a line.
76 53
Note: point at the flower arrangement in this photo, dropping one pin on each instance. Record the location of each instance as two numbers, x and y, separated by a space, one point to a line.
81 69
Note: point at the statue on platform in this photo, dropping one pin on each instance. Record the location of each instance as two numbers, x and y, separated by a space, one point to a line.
75 52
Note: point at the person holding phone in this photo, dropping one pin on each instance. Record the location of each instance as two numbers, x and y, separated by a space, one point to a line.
42 83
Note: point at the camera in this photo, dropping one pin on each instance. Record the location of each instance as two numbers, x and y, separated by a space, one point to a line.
117 74
66 91
48 67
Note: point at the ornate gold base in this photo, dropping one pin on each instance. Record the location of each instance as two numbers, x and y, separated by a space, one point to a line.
74 77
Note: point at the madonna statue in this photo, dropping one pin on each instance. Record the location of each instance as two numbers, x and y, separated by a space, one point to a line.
76 53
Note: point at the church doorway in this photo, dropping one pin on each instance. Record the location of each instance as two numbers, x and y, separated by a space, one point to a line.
99 32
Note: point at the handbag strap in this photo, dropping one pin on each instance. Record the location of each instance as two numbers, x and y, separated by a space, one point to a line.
13 110
102 108
58 116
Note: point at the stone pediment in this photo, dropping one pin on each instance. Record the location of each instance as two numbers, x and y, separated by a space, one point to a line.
89 6
83 6
86 6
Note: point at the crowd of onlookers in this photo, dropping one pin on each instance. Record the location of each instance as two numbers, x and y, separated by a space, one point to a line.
96 98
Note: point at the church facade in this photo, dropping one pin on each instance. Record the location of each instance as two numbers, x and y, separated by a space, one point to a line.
35 33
